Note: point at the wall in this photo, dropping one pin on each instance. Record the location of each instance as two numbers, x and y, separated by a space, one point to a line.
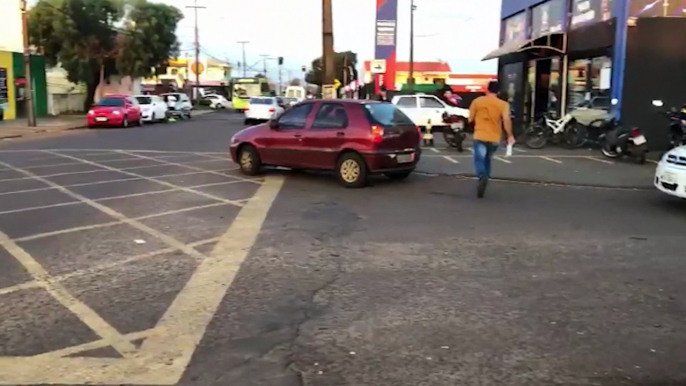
8 106
39 83
11 38
120 85
65 103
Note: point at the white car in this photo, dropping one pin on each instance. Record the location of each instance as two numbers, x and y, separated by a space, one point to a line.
426 110
670 175
179 104
261 109
218 101
153 108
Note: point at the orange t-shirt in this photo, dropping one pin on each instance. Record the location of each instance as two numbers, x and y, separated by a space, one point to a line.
486 113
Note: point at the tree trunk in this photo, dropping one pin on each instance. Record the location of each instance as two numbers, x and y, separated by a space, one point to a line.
90 95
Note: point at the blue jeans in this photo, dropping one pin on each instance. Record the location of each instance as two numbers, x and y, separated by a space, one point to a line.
483 154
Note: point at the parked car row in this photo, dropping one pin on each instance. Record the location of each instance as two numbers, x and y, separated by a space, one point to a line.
125 110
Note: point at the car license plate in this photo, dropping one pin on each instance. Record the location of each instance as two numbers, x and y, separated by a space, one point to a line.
101 119
668 178
457 125
640 140
405 158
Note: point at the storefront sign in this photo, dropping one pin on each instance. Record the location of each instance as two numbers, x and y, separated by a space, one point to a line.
547 18
3 90
590 11
385 40
515 28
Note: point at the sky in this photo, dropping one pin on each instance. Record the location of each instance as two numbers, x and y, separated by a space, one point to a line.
460 32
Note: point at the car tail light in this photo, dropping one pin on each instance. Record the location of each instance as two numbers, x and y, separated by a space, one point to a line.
272 110
635 132
377 134
419 132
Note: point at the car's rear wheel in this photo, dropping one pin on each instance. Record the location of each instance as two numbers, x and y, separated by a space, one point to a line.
397 176
352 170
249 160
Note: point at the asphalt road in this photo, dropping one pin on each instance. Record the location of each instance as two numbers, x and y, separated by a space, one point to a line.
142 257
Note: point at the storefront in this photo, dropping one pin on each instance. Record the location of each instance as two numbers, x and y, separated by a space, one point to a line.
560 55
13 82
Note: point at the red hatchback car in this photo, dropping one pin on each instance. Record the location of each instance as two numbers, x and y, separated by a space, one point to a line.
115 110
354 138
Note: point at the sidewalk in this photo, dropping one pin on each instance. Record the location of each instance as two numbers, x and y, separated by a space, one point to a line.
18 128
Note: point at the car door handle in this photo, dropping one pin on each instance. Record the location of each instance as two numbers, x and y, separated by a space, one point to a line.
298 136
340 134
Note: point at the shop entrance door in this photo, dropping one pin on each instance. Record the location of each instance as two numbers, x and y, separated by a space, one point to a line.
542 89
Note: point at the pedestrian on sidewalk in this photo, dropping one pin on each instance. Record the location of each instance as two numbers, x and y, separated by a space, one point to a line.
489 115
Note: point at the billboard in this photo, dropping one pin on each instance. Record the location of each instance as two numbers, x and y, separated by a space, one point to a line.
385 40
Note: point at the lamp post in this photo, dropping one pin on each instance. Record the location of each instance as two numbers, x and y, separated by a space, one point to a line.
410 80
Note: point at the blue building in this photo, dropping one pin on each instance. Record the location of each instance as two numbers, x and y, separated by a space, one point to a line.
611 55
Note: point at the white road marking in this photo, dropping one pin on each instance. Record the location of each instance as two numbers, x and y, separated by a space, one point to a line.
518 150
599 160
501 159
433 149
551 159
653 161
470 149
77 307
193 167
153 179
451 159
165 354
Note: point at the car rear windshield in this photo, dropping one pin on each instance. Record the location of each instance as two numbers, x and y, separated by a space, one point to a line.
111 102
144 100
261 101
386 114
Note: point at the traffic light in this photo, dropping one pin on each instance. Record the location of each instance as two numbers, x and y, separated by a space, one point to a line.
304 68
280 60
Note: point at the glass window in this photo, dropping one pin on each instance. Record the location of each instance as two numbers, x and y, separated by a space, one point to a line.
430 103
331 116
144 100
111 102
410 102
261 101
589 80
386 114
295 118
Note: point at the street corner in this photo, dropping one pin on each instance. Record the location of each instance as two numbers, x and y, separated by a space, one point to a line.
116 255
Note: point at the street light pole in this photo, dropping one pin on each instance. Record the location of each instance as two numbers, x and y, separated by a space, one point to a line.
28 93
196 67
245 65
410 80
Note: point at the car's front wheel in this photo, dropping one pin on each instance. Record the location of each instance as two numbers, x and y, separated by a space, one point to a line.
352 170
249 160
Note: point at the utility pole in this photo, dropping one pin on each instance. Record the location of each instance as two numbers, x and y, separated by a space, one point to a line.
28 93
196 69
410 80
328 53
245 65
264 64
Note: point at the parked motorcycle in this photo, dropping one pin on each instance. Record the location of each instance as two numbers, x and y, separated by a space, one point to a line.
677 124
454 133
618 141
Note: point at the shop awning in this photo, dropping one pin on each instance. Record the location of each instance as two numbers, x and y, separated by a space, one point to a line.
552 43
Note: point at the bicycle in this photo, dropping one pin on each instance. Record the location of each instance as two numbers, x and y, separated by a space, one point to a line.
547 129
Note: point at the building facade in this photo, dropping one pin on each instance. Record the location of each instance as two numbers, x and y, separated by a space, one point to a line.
559 55
13 81
11 38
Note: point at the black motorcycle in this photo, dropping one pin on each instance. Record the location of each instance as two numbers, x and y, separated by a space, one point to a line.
618 141
677 127
454 133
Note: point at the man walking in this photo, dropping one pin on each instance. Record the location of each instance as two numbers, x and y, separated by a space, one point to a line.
489 115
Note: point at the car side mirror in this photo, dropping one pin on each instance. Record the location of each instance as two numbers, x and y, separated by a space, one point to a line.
273 124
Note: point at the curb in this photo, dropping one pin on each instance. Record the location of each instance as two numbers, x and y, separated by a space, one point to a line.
541 182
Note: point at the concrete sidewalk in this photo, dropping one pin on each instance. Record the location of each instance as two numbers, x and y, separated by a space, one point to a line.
18 128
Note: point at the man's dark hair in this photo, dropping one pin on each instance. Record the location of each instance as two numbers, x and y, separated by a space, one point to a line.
493 86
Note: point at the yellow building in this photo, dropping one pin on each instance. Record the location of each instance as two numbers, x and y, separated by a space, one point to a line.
7 98
424 72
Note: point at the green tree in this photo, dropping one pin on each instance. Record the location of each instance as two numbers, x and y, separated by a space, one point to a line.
345 68
295 82
93 39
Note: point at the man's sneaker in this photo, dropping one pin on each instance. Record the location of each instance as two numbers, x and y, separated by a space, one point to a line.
481 188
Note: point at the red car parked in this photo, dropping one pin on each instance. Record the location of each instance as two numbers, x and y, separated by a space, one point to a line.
115 110
354 138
